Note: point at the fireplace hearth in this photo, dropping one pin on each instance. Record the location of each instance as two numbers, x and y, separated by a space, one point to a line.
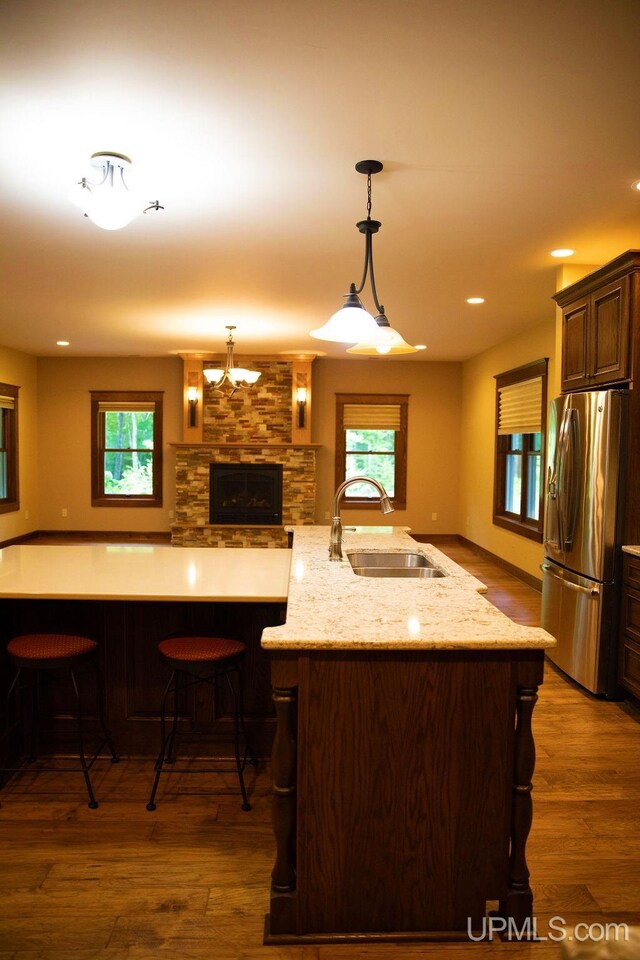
245 493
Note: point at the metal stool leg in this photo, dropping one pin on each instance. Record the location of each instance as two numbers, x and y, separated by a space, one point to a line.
102 712
93 803
163 739
248 747
6 726
236 739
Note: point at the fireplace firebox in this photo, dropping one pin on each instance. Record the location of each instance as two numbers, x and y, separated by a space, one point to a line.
245 493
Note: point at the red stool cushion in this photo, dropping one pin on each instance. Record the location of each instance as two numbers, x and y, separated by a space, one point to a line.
50 646
200 649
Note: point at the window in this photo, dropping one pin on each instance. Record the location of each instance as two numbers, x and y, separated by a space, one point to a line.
371 441
126 449
521 406
9 499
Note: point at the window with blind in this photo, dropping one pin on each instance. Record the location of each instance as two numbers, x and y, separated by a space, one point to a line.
126 448
371 441
521 407
9 499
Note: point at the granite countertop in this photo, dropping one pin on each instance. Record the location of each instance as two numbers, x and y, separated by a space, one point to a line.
111 571
633 550
330 607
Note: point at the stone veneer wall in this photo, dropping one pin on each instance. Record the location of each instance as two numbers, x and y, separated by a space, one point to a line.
192 527
257 414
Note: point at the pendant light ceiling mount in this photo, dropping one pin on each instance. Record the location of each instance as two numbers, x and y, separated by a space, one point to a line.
352 323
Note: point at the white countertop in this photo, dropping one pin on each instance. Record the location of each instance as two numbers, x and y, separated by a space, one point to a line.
633 550
330 607
109 571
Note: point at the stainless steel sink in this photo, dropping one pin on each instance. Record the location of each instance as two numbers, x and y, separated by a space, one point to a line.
367 563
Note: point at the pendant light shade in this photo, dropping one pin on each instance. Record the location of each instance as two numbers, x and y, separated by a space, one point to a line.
388 342
350 324
353 324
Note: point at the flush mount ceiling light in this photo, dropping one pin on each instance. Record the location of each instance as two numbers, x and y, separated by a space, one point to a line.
352 323
110 202
562 252
228 381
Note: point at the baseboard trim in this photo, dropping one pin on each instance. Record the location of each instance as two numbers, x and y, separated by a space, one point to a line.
89 536
511 568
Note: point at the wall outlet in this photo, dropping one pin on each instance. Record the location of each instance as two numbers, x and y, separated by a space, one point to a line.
327 515
64 511
434 516
26 514
171 514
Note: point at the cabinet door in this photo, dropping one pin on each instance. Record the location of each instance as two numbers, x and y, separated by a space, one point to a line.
575 345
609 346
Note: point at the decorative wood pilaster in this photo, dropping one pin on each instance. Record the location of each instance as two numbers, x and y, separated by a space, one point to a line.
519 902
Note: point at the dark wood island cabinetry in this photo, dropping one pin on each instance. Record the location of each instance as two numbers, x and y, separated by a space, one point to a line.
403 755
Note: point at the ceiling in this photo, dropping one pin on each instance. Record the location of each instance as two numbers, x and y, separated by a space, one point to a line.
506 130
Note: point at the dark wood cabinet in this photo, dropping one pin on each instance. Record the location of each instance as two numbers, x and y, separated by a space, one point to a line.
629 658
598 316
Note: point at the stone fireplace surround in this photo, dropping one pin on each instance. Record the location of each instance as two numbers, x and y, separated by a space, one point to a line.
258 425
192 527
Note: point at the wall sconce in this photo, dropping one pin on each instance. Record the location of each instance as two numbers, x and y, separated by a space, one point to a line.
192 397
301 396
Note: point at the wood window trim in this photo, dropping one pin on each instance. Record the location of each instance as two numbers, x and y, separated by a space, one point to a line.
399 500
98 497
11 502
533 530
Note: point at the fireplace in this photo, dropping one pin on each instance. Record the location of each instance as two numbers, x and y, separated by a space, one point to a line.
245 493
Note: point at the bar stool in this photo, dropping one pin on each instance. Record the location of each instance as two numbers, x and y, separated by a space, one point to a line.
188 657
66 655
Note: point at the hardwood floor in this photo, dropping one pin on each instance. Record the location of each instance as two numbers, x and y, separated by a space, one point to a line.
190 881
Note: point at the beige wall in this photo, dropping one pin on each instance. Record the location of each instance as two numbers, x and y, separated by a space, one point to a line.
64 433
433 466
19 369
477 441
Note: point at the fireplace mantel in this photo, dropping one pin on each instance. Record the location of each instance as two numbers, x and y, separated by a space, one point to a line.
256 445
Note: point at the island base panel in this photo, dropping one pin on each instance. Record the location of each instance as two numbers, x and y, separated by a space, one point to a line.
411 775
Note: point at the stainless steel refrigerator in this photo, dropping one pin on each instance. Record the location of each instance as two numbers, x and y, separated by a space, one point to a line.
582 531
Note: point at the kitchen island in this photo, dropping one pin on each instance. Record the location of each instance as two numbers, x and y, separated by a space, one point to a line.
128 597
404 750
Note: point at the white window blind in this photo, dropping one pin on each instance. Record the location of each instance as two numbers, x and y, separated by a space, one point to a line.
371 416
7 403
520 407
128 406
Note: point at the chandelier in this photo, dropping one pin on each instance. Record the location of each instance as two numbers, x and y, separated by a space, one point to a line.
228 381
352 323
110 202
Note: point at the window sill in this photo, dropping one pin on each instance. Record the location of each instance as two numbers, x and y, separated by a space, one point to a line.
516 526
126 502
8 506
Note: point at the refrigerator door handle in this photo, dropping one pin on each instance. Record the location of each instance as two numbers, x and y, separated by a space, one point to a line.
590 591
570 485
559 476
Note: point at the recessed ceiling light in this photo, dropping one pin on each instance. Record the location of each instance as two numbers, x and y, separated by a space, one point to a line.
62 343
563 252
421 346
636 185
475 300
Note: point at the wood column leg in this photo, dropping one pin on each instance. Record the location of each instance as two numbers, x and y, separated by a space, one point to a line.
518 905
282 918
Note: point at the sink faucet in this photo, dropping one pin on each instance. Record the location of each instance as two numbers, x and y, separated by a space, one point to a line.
335 543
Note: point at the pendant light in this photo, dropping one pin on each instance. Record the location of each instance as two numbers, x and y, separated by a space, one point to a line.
228 381
352 323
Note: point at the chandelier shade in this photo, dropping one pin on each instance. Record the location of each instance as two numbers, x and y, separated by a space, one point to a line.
388 342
